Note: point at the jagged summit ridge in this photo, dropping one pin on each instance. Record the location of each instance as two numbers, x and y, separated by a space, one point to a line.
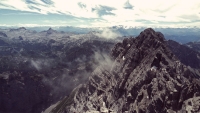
50 31
145 77
148 36
152 34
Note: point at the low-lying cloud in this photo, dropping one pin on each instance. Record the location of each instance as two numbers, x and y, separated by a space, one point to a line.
40 64
108 33
65 82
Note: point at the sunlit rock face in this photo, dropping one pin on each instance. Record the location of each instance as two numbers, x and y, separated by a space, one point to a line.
145 77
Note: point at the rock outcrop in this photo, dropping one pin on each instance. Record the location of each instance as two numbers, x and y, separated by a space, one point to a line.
145 77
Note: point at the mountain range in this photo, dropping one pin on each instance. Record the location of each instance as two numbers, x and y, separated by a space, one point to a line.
98 71
39 68
182 35
147 75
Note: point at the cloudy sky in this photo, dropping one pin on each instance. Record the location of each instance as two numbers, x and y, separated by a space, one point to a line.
99 13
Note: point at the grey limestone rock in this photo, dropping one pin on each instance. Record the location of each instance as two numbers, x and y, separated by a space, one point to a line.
145 77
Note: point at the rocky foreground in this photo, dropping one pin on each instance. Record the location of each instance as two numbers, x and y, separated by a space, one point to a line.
145 77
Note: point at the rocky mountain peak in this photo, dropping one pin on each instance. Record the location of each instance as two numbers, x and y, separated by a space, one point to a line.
22 28
50 31
145 77
146 43
3 34
18 29
149 33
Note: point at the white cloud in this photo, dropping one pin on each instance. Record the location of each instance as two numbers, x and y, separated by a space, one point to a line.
33 25
108 33
176 12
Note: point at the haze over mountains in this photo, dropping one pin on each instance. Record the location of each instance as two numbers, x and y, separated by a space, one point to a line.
41 67
181 35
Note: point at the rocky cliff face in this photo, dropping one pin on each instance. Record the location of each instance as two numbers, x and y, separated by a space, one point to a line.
188 56
145 77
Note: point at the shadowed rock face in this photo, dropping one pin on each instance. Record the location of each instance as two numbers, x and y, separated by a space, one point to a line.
194 45
2 34
188 56
145 77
